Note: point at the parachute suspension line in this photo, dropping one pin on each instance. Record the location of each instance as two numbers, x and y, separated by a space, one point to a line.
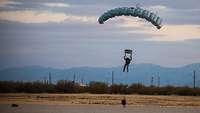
138 5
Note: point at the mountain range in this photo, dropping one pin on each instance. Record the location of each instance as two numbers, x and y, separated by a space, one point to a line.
138 73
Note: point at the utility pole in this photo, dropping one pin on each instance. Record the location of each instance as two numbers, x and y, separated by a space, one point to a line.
152 81
50 78
45 80
82 80
194 79
112 77
158 81
74 78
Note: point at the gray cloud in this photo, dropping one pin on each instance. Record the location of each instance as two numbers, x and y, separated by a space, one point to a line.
72 45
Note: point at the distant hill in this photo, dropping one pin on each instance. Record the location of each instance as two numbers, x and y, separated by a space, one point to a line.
141 73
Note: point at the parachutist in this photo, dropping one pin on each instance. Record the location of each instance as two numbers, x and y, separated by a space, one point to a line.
124 102
127 62
127 58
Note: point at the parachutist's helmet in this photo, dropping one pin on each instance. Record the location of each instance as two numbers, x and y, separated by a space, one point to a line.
128 53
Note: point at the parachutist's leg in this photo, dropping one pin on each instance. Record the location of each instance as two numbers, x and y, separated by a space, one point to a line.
124 68
127 67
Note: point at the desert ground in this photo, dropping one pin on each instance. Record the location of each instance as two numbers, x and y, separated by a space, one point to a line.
36 108
99 99
97 103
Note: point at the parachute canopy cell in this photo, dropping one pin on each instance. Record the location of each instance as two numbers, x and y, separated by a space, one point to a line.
132 11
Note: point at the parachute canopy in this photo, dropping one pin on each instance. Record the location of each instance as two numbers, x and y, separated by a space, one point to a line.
132 11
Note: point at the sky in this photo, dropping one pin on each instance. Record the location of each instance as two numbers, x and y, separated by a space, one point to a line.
66 33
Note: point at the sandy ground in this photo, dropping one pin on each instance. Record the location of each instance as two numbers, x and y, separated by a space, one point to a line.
99 99
35 108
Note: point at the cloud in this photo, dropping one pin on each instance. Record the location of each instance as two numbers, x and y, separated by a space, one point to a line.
61 5
6 3
176 33
168 32
30 16
159 8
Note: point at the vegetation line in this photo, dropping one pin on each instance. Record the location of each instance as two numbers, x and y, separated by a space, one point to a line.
95 87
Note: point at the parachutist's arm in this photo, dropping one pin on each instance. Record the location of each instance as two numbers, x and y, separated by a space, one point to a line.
131 56
124 57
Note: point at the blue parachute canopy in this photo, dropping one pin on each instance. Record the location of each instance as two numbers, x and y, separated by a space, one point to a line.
132 11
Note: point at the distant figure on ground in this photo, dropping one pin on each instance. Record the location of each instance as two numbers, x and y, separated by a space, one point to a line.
124 102
127 58
14 105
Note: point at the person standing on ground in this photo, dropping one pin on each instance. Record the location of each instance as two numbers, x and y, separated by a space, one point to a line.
124 102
